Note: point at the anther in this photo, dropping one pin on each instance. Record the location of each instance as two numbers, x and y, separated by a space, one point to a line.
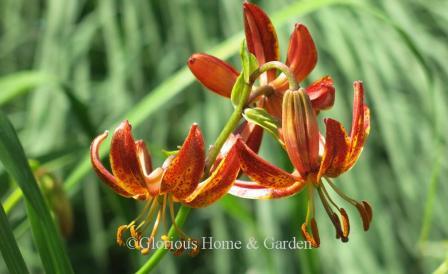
195 249
345 224
364 215
315 241
368 211
121 229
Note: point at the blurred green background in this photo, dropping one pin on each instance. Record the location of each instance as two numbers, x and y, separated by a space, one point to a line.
71 69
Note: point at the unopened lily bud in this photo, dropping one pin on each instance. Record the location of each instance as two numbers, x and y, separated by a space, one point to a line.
58 201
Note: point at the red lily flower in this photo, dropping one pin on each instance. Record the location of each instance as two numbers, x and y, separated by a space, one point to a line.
178 180
302 140
261 38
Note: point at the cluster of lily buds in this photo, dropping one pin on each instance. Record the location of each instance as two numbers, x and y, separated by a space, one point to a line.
290 114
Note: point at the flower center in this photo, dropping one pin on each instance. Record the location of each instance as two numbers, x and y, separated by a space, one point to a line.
154 213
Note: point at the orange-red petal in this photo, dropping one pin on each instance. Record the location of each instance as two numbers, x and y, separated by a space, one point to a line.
100 170
218 184
252 190
260 36
186 169
360 124
213 73
321 93
302 52
300 132
259 170
337 148
124 162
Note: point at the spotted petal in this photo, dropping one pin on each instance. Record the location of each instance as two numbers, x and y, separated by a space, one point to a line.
124 162
337 147
259 170
218 184
213 73
260 36
101 171
360 124
186 169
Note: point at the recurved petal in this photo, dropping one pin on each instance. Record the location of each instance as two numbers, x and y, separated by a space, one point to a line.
300 131
213 73
321 93
337 148
360 124
252 190
186 169
124 162
100 170
261 171
218 184
260 36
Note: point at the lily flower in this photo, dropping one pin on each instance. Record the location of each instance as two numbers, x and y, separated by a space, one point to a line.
314 159
261 37
177 180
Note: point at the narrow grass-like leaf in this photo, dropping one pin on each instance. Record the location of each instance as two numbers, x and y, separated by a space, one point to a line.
14 85
10 251
46 234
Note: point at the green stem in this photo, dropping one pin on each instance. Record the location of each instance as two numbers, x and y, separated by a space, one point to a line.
293 85
227 130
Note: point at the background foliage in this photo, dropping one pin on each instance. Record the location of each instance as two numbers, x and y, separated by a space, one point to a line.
71 69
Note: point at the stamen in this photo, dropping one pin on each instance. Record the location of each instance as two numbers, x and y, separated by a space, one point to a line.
315 231
156 224
137 235
368 210
173 219
333 216
345 228
310 210
364 209
121 229
342 194
163 211
345 225
196 248
145 224
314 238
364 216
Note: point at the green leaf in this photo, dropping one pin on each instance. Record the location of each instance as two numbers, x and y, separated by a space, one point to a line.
237 90
248 61
46 235
168 153
262 118
8 247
